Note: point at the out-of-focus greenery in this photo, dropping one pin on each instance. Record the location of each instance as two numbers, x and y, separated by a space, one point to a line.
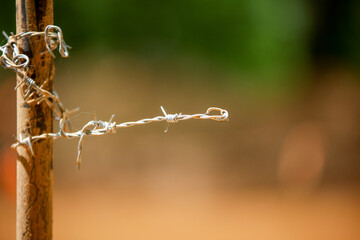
261 37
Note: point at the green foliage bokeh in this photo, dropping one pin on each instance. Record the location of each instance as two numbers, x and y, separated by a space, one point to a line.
255 37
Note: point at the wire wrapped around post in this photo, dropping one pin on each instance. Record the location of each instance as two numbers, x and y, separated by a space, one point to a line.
34 94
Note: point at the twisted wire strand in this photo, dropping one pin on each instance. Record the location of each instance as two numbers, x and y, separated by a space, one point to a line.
98 127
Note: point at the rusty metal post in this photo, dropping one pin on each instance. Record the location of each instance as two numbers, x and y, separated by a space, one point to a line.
35 171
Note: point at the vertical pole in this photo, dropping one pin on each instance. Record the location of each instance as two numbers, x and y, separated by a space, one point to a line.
34 171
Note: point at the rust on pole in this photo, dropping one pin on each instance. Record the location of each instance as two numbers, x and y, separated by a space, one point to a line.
35 171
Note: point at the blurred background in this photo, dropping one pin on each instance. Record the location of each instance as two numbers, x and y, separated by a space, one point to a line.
286 165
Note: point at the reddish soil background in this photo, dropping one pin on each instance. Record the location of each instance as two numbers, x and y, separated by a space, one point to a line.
284 167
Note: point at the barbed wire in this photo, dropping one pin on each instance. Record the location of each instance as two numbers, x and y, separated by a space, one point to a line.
98 127
11 58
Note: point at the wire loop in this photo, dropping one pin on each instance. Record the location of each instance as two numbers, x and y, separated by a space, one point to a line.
54 38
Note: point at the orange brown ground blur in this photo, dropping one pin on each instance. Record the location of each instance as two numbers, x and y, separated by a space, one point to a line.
281 168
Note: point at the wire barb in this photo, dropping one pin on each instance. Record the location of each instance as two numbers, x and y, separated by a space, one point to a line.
170 118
